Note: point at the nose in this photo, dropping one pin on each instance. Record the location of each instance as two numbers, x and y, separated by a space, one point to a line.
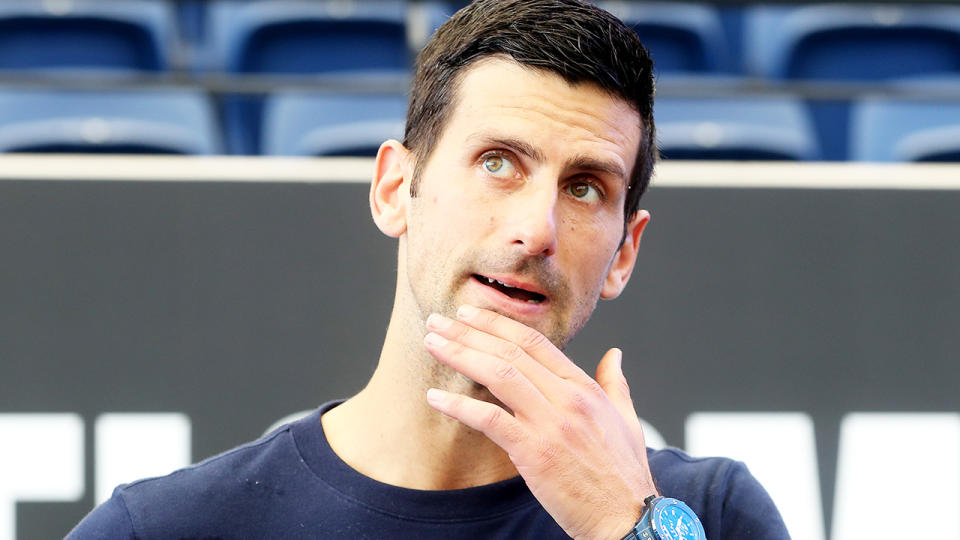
533 220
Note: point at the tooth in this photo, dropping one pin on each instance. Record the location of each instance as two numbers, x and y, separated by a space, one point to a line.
490 279
505 285
532 301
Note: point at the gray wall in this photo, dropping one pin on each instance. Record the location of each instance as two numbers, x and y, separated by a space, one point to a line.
238 303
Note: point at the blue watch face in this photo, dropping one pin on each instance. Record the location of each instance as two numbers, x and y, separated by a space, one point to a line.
673 520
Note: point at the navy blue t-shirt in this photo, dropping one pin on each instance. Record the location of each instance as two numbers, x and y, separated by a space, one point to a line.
290 484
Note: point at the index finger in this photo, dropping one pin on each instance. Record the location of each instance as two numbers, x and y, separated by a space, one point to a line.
534 343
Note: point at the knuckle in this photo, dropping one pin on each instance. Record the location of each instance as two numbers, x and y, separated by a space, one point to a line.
492 418
459 331
488 318
579 403
530 339
593 389
515 434
505 371
453 348
623 387
567 429
454 403
547 456
511 352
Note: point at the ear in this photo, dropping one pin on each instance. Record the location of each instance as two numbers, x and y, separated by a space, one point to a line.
390 188
626 257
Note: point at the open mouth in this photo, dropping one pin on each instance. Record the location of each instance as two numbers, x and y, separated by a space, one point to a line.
513 292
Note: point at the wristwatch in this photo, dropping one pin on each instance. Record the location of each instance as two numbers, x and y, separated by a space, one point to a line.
664 518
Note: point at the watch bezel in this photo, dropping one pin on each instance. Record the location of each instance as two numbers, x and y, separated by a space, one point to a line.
660 505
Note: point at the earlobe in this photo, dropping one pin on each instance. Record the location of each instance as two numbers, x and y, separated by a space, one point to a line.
626 257
389 189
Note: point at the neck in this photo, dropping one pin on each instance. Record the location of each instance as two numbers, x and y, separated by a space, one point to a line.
389 433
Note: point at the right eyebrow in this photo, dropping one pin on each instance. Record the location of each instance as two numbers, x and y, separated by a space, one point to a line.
517 145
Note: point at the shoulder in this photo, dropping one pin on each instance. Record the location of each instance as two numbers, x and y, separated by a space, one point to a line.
679 469
109 520
221 473
730 502
229 483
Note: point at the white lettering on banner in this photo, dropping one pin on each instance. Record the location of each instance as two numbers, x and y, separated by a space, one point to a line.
130 446
779 449
41 459
886 462
898 475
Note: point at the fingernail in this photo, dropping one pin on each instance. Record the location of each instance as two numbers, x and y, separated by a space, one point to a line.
466 312
438 322
435 395
434 340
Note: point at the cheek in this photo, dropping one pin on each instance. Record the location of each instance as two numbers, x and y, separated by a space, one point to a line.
593 233
593 242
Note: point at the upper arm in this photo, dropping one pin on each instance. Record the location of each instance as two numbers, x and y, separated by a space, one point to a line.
748 511
109 520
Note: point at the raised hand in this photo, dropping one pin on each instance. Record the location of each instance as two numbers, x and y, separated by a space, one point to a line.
576 440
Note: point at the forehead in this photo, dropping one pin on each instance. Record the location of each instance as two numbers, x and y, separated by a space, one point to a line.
504 98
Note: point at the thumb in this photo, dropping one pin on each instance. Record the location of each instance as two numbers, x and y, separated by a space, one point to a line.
614 384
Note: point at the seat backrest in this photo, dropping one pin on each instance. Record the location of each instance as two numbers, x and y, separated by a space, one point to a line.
315 124
157 121
748 128
76 35
681 37
850 42
888 129
321 36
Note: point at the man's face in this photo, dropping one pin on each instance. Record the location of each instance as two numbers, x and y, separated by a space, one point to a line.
520 205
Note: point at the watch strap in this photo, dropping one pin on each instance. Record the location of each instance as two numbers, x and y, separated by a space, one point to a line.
642 530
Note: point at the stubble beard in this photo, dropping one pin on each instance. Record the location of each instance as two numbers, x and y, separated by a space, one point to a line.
439 295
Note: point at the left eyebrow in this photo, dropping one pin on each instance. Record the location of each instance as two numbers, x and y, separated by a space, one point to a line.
591 164
521 147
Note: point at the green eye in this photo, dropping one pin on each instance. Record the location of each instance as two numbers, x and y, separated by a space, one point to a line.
584 191
493 164
580 190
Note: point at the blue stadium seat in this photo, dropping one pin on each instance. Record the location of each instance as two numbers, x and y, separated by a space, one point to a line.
158 121
681 37
887 129
78 35
293 37
192 21
312 124
851 42
757 128
425 16
319 36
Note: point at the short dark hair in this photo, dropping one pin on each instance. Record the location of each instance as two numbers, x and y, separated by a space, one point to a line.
574 39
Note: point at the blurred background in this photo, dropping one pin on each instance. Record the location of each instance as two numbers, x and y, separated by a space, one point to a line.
186 256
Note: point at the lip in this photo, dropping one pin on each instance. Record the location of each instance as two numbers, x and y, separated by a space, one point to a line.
503 303
518 283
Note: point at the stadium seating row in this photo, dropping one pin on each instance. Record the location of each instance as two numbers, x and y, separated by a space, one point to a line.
831 41
311 124
708 46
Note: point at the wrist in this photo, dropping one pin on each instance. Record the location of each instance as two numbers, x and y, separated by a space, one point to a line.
616 526
611 526
643 519
664 518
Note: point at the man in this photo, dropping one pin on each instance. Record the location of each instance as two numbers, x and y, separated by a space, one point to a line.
514 199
